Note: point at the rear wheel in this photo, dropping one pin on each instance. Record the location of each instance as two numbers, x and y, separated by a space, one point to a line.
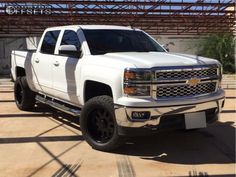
98 124
24 97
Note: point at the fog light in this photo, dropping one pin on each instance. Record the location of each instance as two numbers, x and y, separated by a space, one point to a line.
140 115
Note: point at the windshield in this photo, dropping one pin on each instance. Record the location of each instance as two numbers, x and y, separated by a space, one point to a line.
109 41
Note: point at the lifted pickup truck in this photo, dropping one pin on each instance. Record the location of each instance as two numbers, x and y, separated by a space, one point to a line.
119 81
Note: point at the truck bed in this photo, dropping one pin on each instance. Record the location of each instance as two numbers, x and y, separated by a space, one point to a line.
18 58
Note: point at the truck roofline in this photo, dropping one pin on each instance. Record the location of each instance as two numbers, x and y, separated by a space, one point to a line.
92 27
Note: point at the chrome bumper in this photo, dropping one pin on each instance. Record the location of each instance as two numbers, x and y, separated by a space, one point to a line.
123 113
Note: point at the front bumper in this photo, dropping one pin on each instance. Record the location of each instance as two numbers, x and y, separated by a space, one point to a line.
124 113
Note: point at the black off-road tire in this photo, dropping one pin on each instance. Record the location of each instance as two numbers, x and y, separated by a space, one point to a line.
24 97
98 124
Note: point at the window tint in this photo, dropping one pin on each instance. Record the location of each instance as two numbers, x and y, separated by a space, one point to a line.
49 42
109 41
70 38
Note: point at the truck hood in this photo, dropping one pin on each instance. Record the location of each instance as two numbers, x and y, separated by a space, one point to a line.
153 59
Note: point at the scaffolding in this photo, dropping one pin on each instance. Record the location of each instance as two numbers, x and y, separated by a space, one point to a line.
159 17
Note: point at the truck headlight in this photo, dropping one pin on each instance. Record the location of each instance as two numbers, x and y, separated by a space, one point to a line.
137 82
137 75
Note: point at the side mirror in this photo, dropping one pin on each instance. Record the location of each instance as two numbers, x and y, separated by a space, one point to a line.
69 50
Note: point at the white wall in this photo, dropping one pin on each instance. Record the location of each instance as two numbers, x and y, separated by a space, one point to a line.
6 46
9 44
180 44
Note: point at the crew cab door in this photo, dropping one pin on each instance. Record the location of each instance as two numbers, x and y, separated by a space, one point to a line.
43 62
66 70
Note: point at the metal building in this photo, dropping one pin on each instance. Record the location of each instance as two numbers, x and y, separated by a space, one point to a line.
176 22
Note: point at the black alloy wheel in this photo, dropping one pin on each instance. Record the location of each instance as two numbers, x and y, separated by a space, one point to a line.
18 94
24 97
98 124
101 127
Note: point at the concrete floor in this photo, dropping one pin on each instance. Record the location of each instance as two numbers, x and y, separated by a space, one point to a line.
49 143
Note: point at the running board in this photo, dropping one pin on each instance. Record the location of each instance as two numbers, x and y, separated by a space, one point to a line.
72 110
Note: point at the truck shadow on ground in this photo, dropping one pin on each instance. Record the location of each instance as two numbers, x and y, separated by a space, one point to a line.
59 116
213 145
68 122
61 120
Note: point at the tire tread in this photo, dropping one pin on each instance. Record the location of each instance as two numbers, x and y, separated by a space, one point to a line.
28 98
106 102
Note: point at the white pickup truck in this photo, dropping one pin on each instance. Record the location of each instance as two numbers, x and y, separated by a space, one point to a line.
119 81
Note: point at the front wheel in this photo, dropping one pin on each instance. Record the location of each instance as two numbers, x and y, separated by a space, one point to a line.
98 124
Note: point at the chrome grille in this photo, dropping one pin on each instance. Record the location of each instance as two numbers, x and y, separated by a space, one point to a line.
174 83
185 90
183 74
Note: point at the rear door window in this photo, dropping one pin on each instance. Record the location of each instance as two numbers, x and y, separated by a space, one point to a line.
49 42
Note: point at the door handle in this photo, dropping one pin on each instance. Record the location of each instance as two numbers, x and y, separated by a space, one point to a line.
36 60
56 63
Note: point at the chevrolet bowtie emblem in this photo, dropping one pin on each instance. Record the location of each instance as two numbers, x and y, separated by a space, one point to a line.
193 81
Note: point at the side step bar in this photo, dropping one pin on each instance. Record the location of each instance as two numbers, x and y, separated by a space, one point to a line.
72 110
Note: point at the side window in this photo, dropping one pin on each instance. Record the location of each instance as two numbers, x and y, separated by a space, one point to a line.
70 38
49 42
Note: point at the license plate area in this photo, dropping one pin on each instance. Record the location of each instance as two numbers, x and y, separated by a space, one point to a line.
195 120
